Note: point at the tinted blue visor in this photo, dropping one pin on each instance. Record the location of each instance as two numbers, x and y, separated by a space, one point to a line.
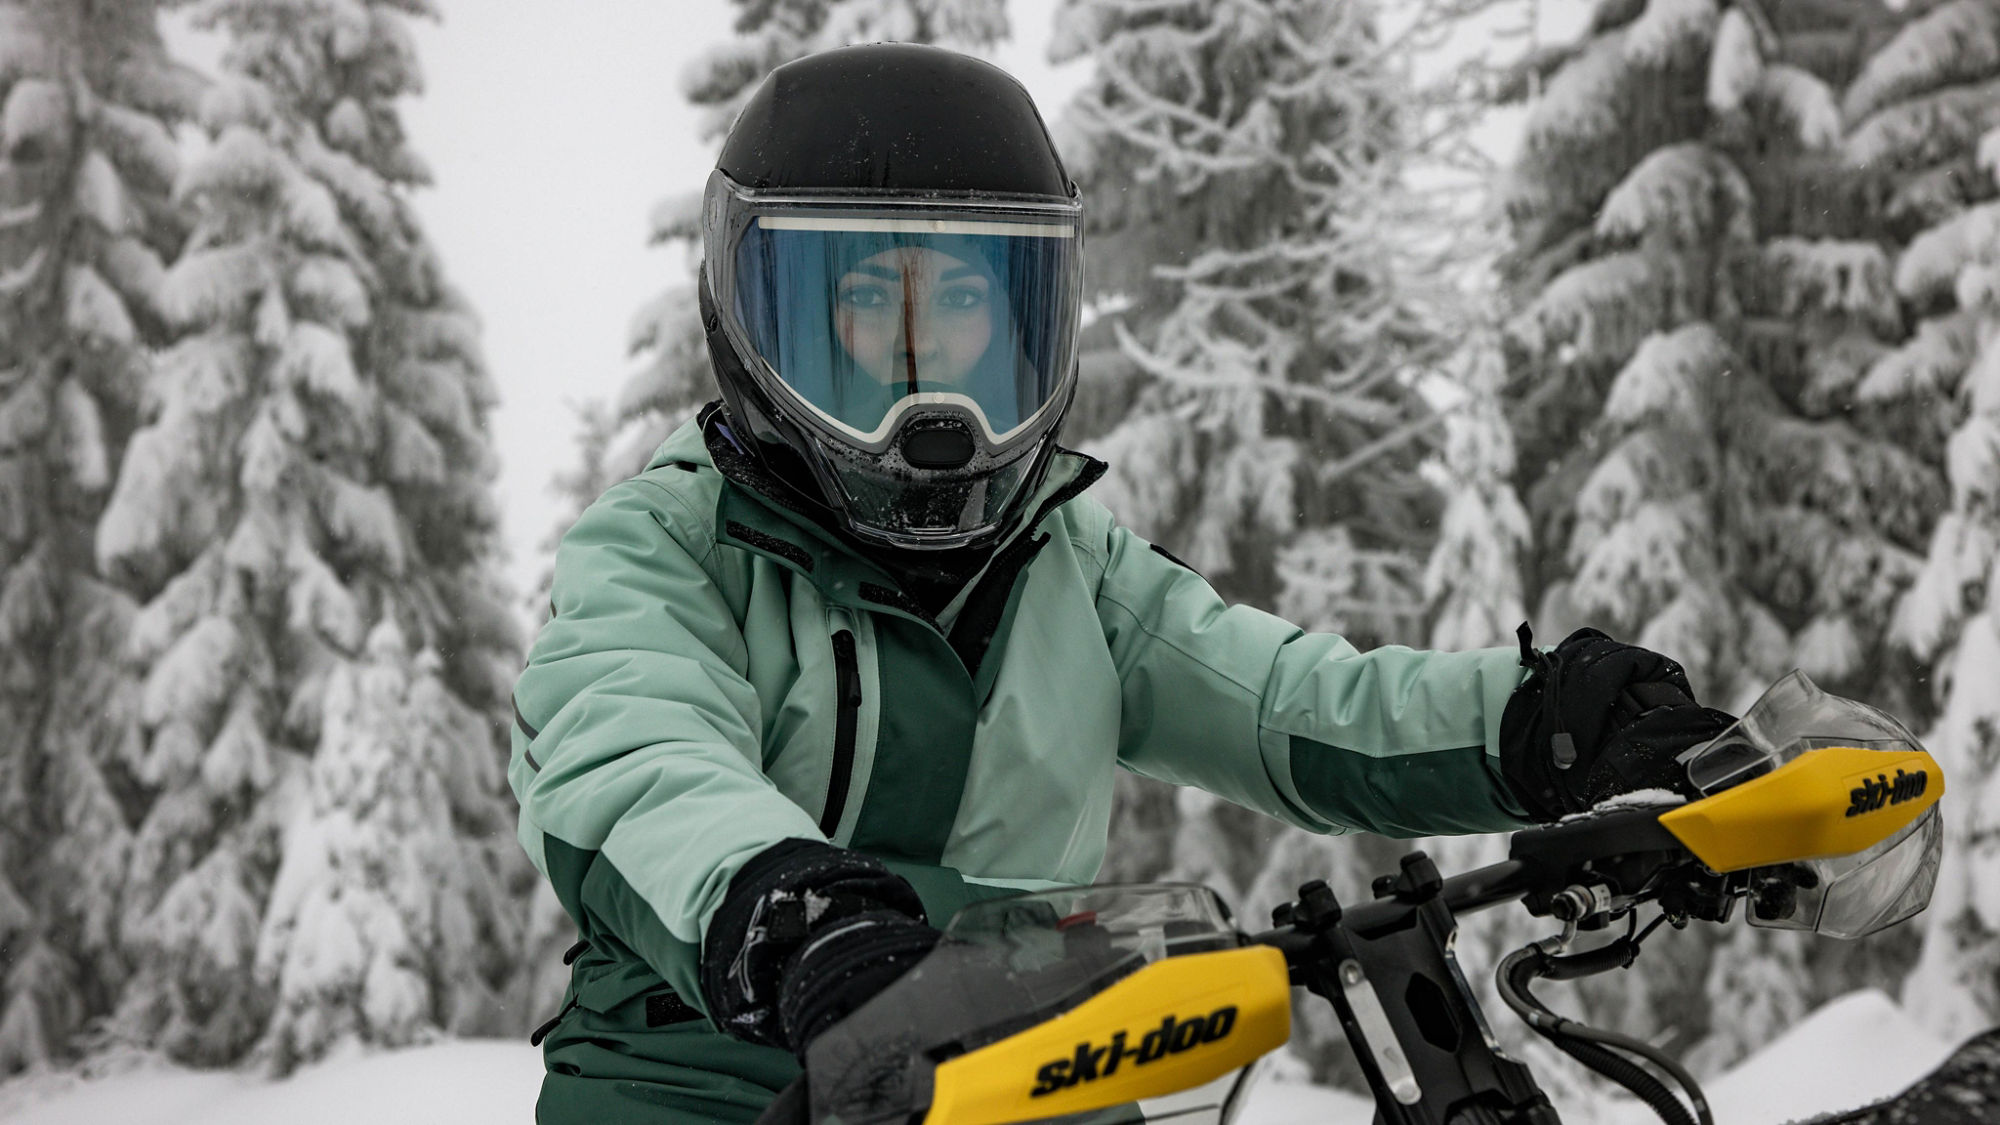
862 318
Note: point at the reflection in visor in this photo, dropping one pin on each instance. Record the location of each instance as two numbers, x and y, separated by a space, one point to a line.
857 315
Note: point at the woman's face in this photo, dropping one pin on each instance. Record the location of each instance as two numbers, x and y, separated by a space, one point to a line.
914 313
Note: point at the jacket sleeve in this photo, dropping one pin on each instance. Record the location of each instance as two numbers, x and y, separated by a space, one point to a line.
637 759
1299 725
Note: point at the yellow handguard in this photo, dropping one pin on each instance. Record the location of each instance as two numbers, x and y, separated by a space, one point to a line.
1170 1026
1829 801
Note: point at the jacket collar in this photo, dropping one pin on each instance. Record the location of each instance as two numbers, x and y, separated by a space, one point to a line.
759 514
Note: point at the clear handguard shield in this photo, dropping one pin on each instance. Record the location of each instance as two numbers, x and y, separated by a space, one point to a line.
1012 964
1843 896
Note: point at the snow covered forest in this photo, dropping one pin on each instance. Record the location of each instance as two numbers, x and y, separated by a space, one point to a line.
1406 321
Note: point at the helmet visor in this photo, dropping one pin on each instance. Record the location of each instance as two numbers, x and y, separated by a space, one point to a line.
863 315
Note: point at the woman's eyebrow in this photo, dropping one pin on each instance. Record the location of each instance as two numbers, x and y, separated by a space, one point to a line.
962 271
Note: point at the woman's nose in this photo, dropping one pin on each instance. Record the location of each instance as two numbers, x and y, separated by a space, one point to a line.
918 335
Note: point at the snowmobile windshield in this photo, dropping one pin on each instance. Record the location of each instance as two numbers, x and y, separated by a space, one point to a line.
1846 896
864 309
1008 965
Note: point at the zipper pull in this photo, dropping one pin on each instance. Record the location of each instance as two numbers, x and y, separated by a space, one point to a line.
1562 747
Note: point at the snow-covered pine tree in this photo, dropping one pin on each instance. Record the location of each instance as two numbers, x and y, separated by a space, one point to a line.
1702 278
1235 159
324 646
1924 114
88 103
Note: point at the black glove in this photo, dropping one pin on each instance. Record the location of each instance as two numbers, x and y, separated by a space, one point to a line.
1595 719
807 933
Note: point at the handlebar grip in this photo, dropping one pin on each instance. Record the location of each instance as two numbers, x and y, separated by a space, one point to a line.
792 1106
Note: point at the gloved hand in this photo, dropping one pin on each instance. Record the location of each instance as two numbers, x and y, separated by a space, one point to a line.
1595 719
807 933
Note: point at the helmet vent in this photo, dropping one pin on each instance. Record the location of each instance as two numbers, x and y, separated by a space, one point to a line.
938 447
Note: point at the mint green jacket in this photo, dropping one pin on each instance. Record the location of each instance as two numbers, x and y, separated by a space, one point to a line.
721 674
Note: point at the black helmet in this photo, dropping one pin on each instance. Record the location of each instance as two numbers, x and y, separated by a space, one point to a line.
890 286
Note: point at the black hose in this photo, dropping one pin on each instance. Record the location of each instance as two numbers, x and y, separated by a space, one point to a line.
1589 1045
1626 1073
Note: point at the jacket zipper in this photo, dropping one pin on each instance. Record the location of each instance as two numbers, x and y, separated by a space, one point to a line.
847 691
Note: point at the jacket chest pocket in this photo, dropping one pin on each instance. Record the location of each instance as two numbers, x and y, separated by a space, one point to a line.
823 748
846 721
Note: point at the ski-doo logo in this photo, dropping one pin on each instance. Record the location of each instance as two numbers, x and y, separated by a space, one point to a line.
1884 790
1092 1062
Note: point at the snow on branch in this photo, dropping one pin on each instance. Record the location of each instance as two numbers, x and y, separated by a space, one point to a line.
1669 29
1972 462
1581 101
82 436
1735 64
213 284
241 161
318 601
1948 586
175 607
94 311
135 270
1644 466
1982 381
1829 648
1955 42
411 454
1598 310
316 357
1805 101
1929 362
328 287
1666 378
364 518
35 110
140 518
99 194
1831 275
1640 564
140 143
194 675
1688 192
436 391
1331 584
1927 129
1931 265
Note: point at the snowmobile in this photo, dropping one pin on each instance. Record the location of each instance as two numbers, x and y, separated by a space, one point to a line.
1146 1002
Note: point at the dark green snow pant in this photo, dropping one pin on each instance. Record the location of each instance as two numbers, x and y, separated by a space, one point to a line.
607 1067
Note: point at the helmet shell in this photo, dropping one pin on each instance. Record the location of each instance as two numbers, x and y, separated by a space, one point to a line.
893 117
898 138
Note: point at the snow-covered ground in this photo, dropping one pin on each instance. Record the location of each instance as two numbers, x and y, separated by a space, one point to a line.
1855 1050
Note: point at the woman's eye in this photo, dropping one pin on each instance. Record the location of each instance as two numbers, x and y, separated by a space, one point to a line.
864 296
962 297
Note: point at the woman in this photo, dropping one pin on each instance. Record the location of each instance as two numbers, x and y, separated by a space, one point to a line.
855 649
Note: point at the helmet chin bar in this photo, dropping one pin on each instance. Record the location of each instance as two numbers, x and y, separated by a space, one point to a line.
886 499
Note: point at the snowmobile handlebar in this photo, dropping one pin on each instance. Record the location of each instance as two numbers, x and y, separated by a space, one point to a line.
1820 813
